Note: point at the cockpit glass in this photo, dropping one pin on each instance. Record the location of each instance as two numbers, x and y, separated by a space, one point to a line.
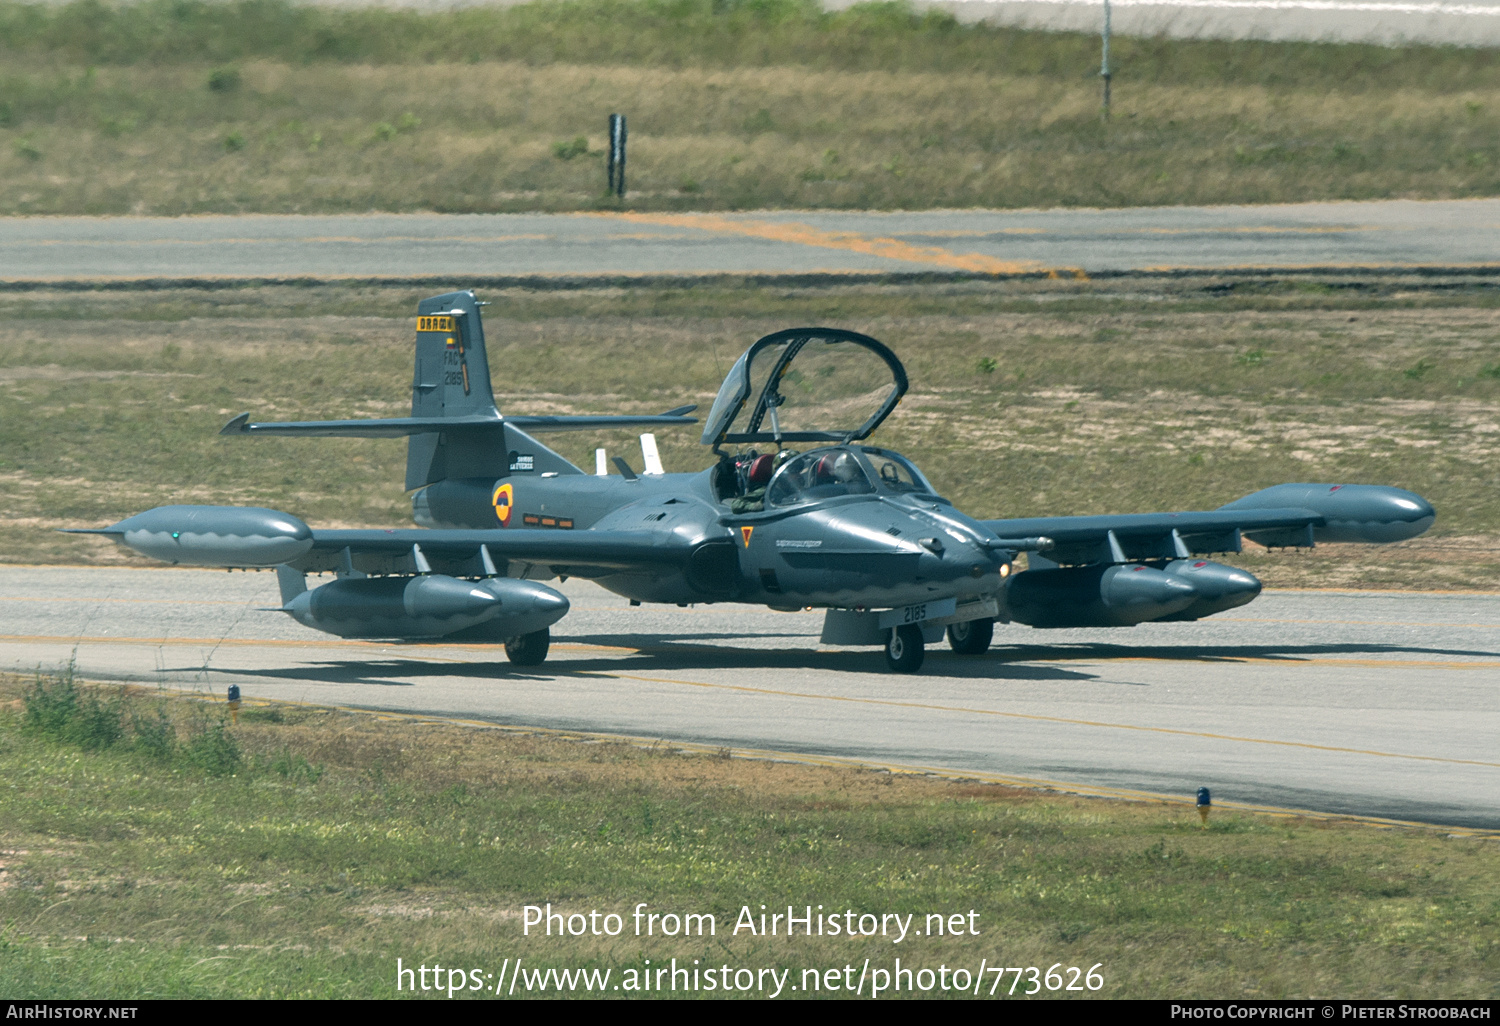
808 385
897 475
732 392
820 474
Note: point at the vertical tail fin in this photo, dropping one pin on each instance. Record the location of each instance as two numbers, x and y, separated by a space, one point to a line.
451 376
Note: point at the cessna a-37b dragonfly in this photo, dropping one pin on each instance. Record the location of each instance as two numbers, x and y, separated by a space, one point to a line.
799 511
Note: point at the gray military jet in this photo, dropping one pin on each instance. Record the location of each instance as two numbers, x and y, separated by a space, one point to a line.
798 511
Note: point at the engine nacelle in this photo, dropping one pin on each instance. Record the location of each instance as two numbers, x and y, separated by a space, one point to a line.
430 606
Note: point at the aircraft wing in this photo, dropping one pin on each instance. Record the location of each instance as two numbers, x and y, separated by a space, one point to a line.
1290 515
463 552
247 537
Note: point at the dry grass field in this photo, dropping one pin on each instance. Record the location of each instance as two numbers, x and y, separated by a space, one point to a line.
187 108
1027 399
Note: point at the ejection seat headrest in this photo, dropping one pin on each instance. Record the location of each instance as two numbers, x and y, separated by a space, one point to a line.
760 470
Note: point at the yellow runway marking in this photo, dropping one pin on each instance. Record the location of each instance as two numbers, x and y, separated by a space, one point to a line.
979 233
1358 623
187 642
127 601
409 647
1375 663
1062 657
1049 719
807 235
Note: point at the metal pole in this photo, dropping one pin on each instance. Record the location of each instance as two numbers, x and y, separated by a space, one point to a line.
1104 61
617 154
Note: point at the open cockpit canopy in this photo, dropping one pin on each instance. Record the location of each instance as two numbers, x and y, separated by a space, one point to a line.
806 385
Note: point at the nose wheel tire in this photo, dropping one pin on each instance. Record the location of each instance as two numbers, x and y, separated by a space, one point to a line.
529 649
903 649
971 637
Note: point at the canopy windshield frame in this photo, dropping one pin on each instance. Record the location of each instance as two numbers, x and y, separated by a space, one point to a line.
762 423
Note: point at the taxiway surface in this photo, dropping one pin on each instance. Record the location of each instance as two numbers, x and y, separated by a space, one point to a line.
1392 235
1374 704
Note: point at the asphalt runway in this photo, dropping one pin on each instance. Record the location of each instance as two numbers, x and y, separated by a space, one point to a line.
1392 235
1368 704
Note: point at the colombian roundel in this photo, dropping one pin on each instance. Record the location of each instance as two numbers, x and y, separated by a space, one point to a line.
504 501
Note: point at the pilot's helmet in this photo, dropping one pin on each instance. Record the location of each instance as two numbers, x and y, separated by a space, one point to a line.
760 470
846 468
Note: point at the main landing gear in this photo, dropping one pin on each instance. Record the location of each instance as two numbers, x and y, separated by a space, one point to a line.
529 649
903 649
971 637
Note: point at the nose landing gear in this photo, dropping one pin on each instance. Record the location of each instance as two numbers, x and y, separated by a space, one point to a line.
904 649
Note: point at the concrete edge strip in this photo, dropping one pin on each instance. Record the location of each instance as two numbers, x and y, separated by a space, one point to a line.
571 281
845 762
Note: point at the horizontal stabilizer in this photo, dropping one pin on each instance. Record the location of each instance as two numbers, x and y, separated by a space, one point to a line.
395 427
400 427
538 425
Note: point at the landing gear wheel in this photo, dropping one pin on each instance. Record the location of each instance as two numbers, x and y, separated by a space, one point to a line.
903 649
971 637
529 649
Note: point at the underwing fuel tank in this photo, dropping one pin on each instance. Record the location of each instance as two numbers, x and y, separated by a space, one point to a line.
1219 587
1096 596
228 536
430 606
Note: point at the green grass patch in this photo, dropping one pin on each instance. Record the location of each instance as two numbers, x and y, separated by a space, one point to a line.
343 842
179 107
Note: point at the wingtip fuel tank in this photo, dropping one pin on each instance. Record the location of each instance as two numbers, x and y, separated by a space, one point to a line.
1372 514
221 536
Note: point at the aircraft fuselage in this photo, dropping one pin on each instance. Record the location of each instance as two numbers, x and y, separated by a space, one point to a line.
874 550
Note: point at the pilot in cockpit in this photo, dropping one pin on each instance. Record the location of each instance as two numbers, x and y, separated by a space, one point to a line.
751 473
